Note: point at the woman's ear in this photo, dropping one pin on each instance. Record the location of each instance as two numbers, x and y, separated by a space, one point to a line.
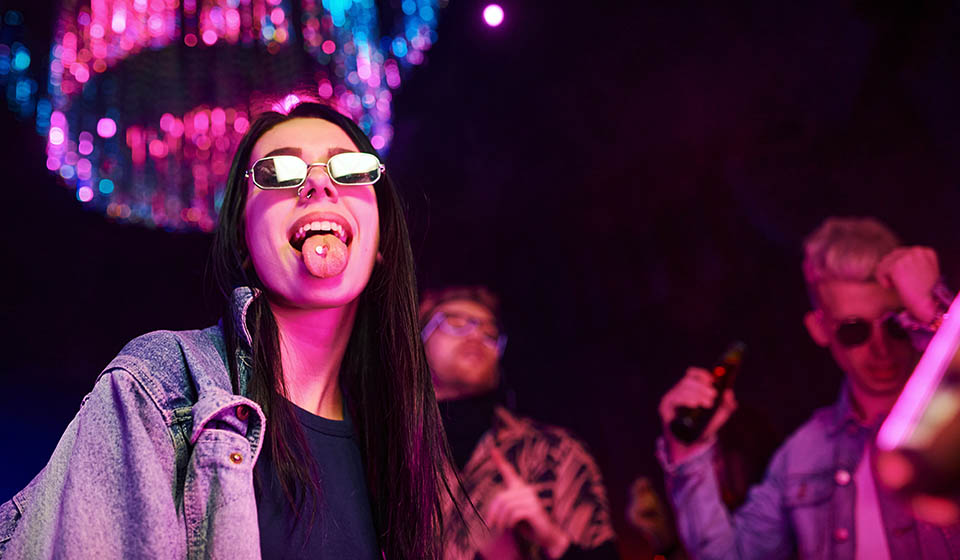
814 322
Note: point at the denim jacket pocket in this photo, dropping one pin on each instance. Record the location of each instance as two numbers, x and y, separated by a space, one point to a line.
219 480
219 493
808 499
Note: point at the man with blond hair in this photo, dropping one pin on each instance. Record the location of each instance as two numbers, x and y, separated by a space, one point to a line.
870 296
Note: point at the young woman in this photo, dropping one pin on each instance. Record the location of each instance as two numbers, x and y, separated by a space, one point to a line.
304 425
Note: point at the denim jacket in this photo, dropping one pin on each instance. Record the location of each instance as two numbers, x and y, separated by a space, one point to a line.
158 462
805 504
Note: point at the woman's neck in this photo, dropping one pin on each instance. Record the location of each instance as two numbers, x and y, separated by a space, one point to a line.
312 344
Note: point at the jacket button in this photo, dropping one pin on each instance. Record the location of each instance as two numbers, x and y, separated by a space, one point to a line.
842 477
841 535
243 412
236 458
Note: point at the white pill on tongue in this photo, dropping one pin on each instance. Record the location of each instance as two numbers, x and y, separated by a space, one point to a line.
324 255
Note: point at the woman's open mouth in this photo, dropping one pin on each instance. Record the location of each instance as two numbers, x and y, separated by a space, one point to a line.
307 228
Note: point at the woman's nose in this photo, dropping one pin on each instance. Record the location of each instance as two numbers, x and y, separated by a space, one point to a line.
319 184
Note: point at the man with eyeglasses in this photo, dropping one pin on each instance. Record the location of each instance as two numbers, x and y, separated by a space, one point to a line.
819 500
537 488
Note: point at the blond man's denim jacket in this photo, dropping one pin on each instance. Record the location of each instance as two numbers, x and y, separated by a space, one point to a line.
805 506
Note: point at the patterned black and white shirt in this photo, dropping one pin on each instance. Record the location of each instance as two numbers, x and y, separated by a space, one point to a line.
548 458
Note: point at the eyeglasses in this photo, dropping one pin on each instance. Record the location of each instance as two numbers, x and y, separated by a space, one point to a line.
456 324
856 331
287 172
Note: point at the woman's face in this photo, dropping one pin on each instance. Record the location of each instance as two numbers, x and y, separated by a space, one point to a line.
274 219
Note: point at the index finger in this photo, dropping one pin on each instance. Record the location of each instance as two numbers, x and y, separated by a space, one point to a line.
509 474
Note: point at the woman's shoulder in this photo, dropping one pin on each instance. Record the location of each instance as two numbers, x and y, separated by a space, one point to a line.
171 366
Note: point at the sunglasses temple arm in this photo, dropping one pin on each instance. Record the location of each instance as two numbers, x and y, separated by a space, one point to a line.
431 326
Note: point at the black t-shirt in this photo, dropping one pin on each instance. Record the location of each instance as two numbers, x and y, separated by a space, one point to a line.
343 527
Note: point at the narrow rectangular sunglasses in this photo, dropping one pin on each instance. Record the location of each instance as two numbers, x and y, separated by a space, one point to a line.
287 171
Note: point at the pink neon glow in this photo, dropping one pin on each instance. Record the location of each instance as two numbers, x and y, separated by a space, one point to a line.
218 117
232 18
328 46
81 73
53 163
176 128
106 128
119 21
155 24
56 136
84 167
134 139
392 72
493 15
289 102
209 36
85 194
241 125
157 148
201 122
69 43
925 378
166 122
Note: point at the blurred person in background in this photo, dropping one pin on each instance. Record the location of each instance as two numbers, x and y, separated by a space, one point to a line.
738 463
819 499
538 490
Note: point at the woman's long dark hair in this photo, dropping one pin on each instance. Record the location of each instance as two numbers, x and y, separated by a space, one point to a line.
384 374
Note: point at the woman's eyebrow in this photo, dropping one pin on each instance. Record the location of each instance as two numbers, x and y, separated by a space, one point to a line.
287 151
294 151
337 150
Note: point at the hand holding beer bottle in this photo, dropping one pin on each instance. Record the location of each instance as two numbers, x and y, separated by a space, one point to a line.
696 407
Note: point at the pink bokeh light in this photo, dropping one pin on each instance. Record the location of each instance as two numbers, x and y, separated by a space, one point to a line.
106 128
56 136
493 15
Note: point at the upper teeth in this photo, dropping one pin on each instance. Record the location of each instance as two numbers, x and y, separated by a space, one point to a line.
332 227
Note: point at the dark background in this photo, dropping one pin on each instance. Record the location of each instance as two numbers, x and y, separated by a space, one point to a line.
635 181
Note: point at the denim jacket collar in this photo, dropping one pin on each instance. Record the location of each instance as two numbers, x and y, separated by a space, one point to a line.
843 415
240 301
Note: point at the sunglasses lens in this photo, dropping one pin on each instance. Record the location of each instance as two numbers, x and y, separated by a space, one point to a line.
354 168
894 329
853 333
461 325
457 325
279 172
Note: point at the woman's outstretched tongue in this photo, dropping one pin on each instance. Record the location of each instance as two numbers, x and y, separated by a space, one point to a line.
325 255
